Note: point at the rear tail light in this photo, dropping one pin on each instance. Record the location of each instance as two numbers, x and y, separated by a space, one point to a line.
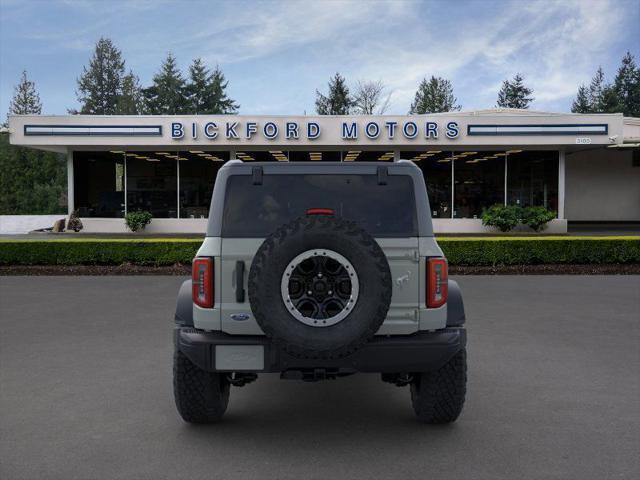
437 282
202 282
320 211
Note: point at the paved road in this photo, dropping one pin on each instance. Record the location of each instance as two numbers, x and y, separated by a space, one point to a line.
554 392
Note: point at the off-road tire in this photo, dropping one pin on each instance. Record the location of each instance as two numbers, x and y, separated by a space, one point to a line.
317 232
438 396
201 396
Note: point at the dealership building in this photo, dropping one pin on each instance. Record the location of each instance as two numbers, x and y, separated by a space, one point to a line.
586 168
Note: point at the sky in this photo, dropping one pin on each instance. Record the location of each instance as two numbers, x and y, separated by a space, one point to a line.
275 54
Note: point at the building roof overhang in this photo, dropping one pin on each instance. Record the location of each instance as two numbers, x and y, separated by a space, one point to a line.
478 128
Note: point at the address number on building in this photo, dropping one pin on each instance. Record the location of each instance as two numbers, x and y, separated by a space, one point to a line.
583 141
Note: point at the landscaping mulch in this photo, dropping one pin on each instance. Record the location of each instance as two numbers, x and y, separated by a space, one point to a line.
95 270
185 270
549 269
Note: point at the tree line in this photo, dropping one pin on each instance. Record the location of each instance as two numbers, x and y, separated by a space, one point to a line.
106 88
33 181
621 95
435 95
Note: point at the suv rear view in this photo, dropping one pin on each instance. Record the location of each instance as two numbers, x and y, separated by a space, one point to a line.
316 271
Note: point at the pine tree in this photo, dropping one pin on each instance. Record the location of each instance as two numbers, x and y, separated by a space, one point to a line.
167 95
514 94
206 92
218 101
31 181
196 89
99 86
627 86
25 99
434 95
596 91
338 101
610 101
581 104
130 101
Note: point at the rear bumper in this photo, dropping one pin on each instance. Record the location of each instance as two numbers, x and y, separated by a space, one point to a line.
420 352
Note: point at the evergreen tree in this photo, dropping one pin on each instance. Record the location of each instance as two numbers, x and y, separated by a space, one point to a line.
218 100
514 94
610 101
206 92
581 104
32 182
25 99
596 91
100 85
130 101
167 95
627 86
338 101
433 96
196 89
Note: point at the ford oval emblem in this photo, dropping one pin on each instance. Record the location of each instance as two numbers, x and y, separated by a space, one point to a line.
240 317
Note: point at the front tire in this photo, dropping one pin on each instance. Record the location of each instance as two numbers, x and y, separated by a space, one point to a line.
438 397
201 396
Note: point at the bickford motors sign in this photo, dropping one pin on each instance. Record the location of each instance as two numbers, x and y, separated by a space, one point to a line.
310 130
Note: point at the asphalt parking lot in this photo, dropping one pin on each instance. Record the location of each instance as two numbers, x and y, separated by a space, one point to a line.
554 392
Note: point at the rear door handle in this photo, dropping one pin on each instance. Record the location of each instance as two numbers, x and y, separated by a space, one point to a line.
240 281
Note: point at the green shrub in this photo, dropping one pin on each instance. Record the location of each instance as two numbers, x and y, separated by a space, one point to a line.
536 217
137 220
459 251
503 217
507 217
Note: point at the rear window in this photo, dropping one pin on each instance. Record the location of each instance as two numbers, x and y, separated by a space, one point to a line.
257 210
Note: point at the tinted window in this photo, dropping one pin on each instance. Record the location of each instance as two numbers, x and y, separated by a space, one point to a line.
257 210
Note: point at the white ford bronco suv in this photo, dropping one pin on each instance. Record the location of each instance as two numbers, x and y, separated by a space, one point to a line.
317 271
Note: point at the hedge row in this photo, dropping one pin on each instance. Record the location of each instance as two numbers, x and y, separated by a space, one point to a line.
97 252
459 251
533 251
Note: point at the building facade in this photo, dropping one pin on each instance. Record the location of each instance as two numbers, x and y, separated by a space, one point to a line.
583 167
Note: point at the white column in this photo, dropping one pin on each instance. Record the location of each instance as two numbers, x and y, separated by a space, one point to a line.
70 189
561 177
396 155
232 154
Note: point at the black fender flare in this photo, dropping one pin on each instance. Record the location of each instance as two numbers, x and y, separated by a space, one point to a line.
455 305
184 305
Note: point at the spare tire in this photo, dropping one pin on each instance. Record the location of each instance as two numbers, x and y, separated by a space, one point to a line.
320 287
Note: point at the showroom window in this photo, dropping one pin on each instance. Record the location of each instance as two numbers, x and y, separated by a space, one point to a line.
197 172
99 184
532 178
436 166
152 184
478 182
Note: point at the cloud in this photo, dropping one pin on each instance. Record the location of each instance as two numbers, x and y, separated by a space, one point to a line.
277 53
